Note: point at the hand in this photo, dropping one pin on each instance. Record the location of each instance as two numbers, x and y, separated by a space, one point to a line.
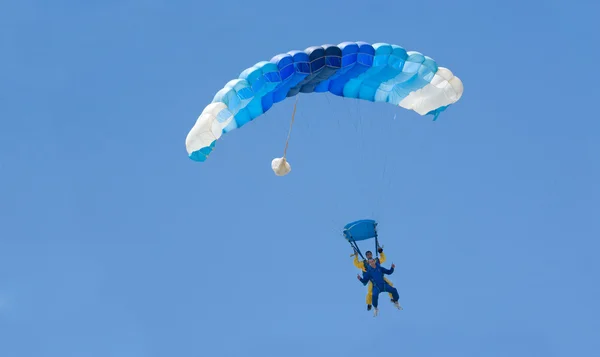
358 277
393 265
380 250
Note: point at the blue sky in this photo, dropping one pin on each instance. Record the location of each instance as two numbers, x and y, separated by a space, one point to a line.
114 243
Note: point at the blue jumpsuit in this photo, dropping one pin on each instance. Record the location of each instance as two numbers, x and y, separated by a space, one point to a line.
375 275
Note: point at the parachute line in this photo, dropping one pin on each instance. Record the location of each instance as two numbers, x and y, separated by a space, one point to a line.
287 141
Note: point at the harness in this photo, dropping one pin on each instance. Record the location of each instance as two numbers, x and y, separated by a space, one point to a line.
380 288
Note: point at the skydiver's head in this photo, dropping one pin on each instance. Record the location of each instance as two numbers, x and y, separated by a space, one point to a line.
372 263
369 254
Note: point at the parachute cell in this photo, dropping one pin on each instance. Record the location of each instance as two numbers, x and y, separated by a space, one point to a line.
378 73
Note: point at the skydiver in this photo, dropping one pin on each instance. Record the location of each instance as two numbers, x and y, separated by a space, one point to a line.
362 265
375 275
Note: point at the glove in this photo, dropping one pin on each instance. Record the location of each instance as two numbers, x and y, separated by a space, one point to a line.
380 250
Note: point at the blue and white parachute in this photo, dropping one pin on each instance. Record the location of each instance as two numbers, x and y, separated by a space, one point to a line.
378 73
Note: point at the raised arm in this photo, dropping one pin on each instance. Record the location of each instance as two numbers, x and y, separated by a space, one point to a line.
388 271
381 256
358 263
364 279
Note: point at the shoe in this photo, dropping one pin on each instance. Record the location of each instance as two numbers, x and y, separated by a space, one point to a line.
375 312
398 305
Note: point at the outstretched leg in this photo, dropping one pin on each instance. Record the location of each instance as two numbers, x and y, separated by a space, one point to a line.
376 292
375 297
394 292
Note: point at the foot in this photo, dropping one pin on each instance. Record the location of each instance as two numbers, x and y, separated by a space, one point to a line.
368 307
398 305
375 312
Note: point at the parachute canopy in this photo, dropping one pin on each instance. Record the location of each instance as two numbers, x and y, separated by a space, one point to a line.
378 73
360 230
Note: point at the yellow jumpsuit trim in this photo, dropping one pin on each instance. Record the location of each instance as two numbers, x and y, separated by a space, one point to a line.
360 265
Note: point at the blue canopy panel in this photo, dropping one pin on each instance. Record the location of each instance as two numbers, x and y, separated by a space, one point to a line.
378 73
360 230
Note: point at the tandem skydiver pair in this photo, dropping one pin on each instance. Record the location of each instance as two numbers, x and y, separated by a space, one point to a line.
373 273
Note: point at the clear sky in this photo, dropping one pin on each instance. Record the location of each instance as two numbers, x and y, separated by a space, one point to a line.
114 243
